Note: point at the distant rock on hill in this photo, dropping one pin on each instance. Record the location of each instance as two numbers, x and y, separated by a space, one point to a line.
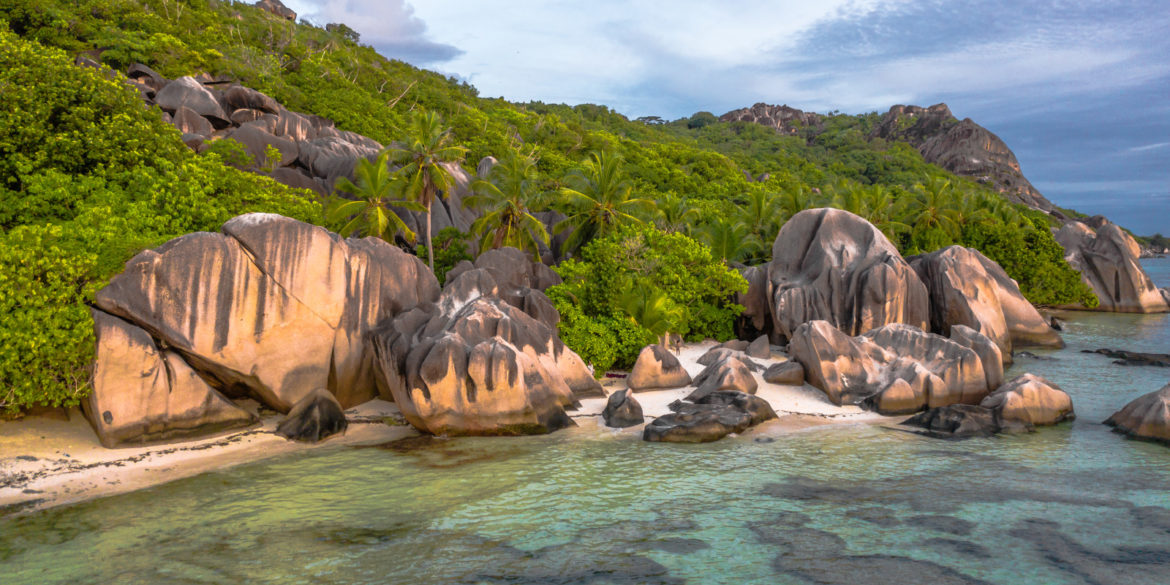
960 146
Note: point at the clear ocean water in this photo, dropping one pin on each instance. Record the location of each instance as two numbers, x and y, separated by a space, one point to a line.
1073 504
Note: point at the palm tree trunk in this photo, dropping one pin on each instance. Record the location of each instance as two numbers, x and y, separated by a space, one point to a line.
430 244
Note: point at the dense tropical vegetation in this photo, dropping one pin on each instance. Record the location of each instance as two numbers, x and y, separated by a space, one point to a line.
657 214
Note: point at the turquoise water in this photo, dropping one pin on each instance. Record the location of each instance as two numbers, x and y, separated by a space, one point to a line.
1074 504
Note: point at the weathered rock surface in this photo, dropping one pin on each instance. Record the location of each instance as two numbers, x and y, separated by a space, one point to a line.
831 265
719 353
475 364
188 93
278 8
789 373
988 352
657 369
894 369
271 308
962 147
730 373
1029 401
1134 358
1146 417
781 118
1107 259
967 288
712 418
145 395
760 348
316 417
622 410
1021 405
756 318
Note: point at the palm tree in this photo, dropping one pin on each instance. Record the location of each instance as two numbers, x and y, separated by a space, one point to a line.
931 215
507 200
730 240
760 214
882 210
422 159
792 202
377 190
652 310
675 214
597 200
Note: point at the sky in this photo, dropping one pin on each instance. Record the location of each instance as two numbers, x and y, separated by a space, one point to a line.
1079 90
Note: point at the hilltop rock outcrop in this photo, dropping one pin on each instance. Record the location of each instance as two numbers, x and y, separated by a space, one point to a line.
831 265
967 288
1146 417
962 147
782 118
893 369
278 8
1107 259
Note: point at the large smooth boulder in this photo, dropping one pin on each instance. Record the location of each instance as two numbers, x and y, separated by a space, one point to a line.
331 158
756 317
271 308
715 416
145 395
1146 417
657 369
316 417
893 369
189 122
988 352
729 373
277 8
1107 259
831 265
475 364
1029 401
237 97
789 373
186 92
967 288
622 410
958 421
256 142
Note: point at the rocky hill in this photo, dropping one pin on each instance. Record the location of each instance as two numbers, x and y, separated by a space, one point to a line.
959 146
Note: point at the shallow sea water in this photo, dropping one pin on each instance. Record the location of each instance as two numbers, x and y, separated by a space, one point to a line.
843 504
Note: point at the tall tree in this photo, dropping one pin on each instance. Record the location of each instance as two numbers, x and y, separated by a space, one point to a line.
377 190
931 214
730 240
597 199
424 158
675 214
507 198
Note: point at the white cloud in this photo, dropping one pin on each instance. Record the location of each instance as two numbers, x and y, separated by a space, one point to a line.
388 25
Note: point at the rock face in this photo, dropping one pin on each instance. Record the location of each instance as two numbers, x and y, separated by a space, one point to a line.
277 8
962 147
832 265
1029 401
709 419
1147 417
657 369
316 417
782 118
1021 405
622 410
729 373
144 395
271 308
477 364
967 288
1107 259
894 369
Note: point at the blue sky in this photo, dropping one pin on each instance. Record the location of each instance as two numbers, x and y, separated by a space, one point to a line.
1079 90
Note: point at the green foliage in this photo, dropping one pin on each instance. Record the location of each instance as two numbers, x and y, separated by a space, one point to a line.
231 152
88 178
450 247
598 201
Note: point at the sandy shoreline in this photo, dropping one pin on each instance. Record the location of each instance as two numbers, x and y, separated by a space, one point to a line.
50 461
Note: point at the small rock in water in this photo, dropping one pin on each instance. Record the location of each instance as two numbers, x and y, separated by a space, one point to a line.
315 417
622 410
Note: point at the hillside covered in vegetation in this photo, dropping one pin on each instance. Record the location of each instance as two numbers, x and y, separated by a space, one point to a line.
89 177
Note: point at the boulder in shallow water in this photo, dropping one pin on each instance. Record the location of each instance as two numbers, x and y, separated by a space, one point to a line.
1146 417
757 407
1107 259
1029 401
316 417
697 423
622 410
957 421
831 265
657 369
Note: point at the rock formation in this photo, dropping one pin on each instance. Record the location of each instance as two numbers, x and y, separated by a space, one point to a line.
962 147
622 410
829 264
789 373
656 369
967 288
729 373
710 418
278 8
1021 405
781 118
316 417
476 363
893 369
1107 259
1146 417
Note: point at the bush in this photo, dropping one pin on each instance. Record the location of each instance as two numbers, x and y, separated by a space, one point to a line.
88 178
